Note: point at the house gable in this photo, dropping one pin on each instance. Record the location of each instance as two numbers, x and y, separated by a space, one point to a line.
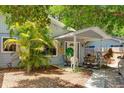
58 28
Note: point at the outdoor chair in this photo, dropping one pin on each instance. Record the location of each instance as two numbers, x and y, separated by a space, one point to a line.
91 62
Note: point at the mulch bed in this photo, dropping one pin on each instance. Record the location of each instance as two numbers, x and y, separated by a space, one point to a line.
41 70
46 82
49 70
7 70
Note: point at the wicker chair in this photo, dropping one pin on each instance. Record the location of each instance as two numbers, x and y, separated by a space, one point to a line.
91 62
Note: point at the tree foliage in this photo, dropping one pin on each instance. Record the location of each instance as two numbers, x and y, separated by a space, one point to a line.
109 18
21 14
31 44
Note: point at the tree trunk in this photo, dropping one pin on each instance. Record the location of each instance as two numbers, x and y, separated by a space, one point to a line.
28 68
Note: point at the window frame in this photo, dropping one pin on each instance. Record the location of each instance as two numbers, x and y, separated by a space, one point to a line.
56 47
2 48
56 53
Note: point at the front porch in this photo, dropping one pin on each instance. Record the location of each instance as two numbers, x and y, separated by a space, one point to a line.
75 43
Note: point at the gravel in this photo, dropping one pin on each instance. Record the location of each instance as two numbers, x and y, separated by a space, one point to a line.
105 78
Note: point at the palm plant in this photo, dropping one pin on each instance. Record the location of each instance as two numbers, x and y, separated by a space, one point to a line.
30 44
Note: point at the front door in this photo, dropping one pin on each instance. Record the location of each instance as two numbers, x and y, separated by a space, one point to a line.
69 47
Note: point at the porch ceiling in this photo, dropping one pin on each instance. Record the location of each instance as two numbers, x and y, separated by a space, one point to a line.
89 34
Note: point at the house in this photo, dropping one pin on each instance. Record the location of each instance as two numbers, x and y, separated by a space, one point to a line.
83 41
5 54
90 40
93 46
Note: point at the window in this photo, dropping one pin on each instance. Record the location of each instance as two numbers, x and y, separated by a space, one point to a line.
50 51
7 49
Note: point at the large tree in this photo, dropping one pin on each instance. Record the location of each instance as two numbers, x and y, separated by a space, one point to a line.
31 25
109 18
21 14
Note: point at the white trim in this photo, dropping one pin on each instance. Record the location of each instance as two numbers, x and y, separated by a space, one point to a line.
118 40
78 51
96 30
2 51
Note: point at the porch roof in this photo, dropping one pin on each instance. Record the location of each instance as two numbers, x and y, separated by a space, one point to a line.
88 34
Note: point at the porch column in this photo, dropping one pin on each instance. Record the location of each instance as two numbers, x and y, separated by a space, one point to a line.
101 50
75 51
84 45
101 45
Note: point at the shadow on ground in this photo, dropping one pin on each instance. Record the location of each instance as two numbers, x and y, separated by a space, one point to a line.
46 82
38 72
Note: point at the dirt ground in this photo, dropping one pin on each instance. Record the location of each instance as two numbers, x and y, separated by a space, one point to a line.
1 79
50 78
6 70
